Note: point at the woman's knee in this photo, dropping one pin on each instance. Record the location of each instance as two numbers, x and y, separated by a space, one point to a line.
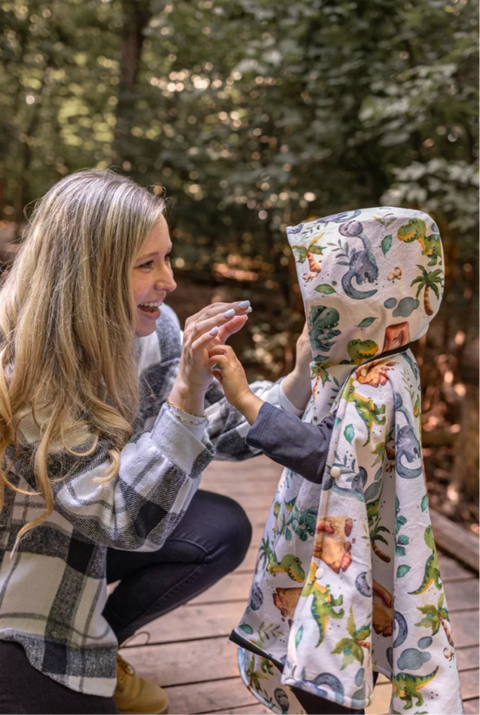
233 530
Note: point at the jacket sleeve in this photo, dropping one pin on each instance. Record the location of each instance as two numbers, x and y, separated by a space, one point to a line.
297 445
228 428
137 509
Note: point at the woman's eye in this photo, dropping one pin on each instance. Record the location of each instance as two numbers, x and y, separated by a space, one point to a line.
148 264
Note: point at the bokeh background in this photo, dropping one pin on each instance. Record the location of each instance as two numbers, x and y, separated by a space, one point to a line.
251 115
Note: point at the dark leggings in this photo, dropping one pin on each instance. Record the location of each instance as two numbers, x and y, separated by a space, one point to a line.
210 541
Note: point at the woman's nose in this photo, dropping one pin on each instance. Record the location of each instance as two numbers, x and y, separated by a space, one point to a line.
166 282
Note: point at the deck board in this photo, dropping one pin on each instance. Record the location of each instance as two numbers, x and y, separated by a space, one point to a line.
189 653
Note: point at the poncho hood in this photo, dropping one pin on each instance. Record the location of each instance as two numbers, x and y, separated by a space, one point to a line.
371 281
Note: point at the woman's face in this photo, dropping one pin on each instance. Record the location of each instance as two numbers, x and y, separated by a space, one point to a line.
152 278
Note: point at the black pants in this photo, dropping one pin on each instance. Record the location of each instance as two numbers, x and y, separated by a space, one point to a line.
210 541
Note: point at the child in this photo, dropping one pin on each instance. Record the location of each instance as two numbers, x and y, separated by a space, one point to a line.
347 578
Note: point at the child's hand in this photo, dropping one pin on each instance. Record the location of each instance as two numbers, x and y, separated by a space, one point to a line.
231 374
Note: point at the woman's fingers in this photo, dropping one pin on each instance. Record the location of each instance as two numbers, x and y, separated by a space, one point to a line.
216 314
205 339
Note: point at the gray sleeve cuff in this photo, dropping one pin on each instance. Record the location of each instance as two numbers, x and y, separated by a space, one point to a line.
297 445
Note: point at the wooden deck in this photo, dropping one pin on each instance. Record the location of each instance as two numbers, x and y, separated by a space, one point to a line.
199 670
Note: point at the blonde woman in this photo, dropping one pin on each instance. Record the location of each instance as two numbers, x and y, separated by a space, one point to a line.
107 422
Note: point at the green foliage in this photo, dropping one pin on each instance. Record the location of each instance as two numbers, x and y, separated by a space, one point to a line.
252 115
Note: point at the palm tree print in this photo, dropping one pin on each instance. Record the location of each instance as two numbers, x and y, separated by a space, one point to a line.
436 616
428 280
311 248
352 648
264 553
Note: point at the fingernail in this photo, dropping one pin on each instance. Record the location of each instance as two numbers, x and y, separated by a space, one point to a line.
249 309
213 331
230 313
244 304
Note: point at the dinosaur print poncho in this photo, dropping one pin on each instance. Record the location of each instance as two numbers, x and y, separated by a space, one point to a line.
347 578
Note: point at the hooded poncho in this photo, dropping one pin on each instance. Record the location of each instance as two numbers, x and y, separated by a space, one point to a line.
347 579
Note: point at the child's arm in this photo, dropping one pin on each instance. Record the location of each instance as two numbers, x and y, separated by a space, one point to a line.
294 444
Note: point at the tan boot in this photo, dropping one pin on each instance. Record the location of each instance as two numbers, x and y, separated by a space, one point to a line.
136 695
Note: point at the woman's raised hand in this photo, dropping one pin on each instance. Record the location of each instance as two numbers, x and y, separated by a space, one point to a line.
231 374
210 326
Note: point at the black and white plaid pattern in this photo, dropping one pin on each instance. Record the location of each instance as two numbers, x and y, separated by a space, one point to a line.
53 587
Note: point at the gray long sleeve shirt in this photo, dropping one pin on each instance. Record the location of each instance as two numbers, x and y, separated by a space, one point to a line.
297 445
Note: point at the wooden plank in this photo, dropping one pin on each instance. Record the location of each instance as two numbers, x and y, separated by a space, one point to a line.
248 468
253 491
462 595
455 540
465 628
185 663
249 710
252 502
382 696
467 658
469 684
194 621
471 707
452 570
234 587
209 697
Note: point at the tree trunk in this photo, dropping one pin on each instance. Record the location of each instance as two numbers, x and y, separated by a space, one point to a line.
136 16
26 155
465 463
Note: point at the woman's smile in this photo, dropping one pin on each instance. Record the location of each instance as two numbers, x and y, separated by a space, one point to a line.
150 310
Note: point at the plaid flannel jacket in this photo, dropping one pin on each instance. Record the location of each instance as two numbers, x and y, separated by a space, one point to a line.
53 587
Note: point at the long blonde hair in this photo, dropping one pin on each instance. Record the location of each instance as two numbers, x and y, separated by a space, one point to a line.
67 351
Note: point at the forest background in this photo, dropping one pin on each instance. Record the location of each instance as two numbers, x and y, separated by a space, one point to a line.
252 115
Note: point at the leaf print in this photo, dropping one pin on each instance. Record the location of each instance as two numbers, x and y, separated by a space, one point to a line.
245 627
424 503
351 629
352 648
349 433
366 322
402 570
386 244
325 289
298 637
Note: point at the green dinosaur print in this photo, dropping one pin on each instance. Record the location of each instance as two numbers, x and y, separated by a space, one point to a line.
432 570
322 604
415 230
302 523
407 686
289 564
366 408
323 333
360 350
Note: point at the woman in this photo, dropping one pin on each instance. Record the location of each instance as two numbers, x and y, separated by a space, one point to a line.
104 419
